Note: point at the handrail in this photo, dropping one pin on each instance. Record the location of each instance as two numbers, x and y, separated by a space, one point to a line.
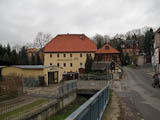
85 111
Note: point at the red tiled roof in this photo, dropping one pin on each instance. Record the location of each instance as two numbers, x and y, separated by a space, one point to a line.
110 49
71 43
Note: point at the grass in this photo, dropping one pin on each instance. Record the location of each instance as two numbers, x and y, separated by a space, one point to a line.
132 66
69 109
110 96
22 109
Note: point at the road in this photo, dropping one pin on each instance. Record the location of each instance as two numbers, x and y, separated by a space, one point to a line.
139 100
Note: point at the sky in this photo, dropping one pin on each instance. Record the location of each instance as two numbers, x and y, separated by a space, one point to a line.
21 20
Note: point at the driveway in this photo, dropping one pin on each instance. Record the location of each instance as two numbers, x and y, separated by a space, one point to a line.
138 99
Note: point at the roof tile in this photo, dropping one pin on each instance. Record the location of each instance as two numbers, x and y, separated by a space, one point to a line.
70 43
103 50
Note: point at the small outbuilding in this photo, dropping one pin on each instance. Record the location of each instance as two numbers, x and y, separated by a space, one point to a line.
1 70
50 74
105 66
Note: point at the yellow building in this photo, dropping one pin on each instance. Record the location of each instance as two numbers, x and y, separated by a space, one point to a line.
51 74
69 51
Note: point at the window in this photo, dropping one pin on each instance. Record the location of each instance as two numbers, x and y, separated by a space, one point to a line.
81 64
50 55
71 64
57 55
70 55
64 64
88 55
58 64
81 55
107 47
50 63
64 55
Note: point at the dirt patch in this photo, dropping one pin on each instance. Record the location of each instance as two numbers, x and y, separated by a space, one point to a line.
128 110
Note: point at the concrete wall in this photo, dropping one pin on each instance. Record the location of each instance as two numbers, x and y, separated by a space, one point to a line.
140 61
75 60
47 111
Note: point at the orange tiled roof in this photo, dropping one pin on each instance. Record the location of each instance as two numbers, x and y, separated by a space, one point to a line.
71 43
110 49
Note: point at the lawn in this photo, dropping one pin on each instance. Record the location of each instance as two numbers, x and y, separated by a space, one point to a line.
22 109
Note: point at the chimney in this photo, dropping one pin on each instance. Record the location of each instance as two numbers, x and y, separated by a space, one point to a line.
81 37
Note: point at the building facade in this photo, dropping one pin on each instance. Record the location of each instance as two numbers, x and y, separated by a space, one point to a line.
130 47
108 53
51 74
156 51
69 51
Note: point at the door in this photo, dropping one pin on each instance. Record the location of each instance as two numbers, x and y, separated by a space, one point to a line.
52 77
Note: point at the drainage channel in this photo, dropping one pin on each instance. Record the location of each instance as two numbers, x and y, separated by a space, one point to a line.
63 114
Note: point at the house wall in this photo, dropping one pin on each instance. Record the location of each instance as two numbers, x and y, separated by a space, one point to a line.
108 57
76 60
52 69
155 62
14 71
157 39
31 73
131 52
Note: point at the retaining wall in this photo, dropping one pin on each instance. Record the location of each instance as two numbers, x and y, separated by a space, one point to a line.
45 112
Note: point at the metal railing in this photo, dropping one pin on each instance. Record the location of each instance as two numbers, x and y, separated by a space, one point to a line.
92 109
67 88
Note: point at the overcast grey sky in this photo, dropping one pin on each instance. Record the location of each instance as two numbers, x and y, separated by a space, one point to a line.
21 20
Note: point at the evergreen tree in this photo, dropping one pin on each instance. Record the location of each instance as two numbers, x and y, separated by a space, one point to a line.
38 59
148 44
88 64
23 57
148 41
1 52
127 59
14 57
6 58
8 49
122 58
32 62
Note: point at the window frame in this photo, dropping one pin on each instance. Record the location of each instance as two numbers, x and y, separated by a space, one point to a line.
51 55
58 55
58 64
64 64
81 55
71 65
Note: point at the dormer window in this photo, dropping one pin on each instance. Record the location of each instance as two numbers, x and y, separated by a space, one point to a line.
107 47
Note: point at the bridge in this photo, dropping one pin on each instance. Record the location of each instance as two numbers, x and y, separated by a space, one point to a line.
92 109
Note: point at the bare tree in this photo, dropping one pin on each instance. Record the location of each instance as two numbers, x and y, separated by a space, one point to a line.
41 39
106 38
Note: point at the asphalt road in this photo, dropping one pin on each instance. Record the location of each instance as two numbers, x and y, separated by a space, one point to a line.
137 87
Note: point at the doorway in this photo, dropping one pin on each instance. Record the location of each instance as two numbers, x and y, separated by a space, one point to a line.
52 77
